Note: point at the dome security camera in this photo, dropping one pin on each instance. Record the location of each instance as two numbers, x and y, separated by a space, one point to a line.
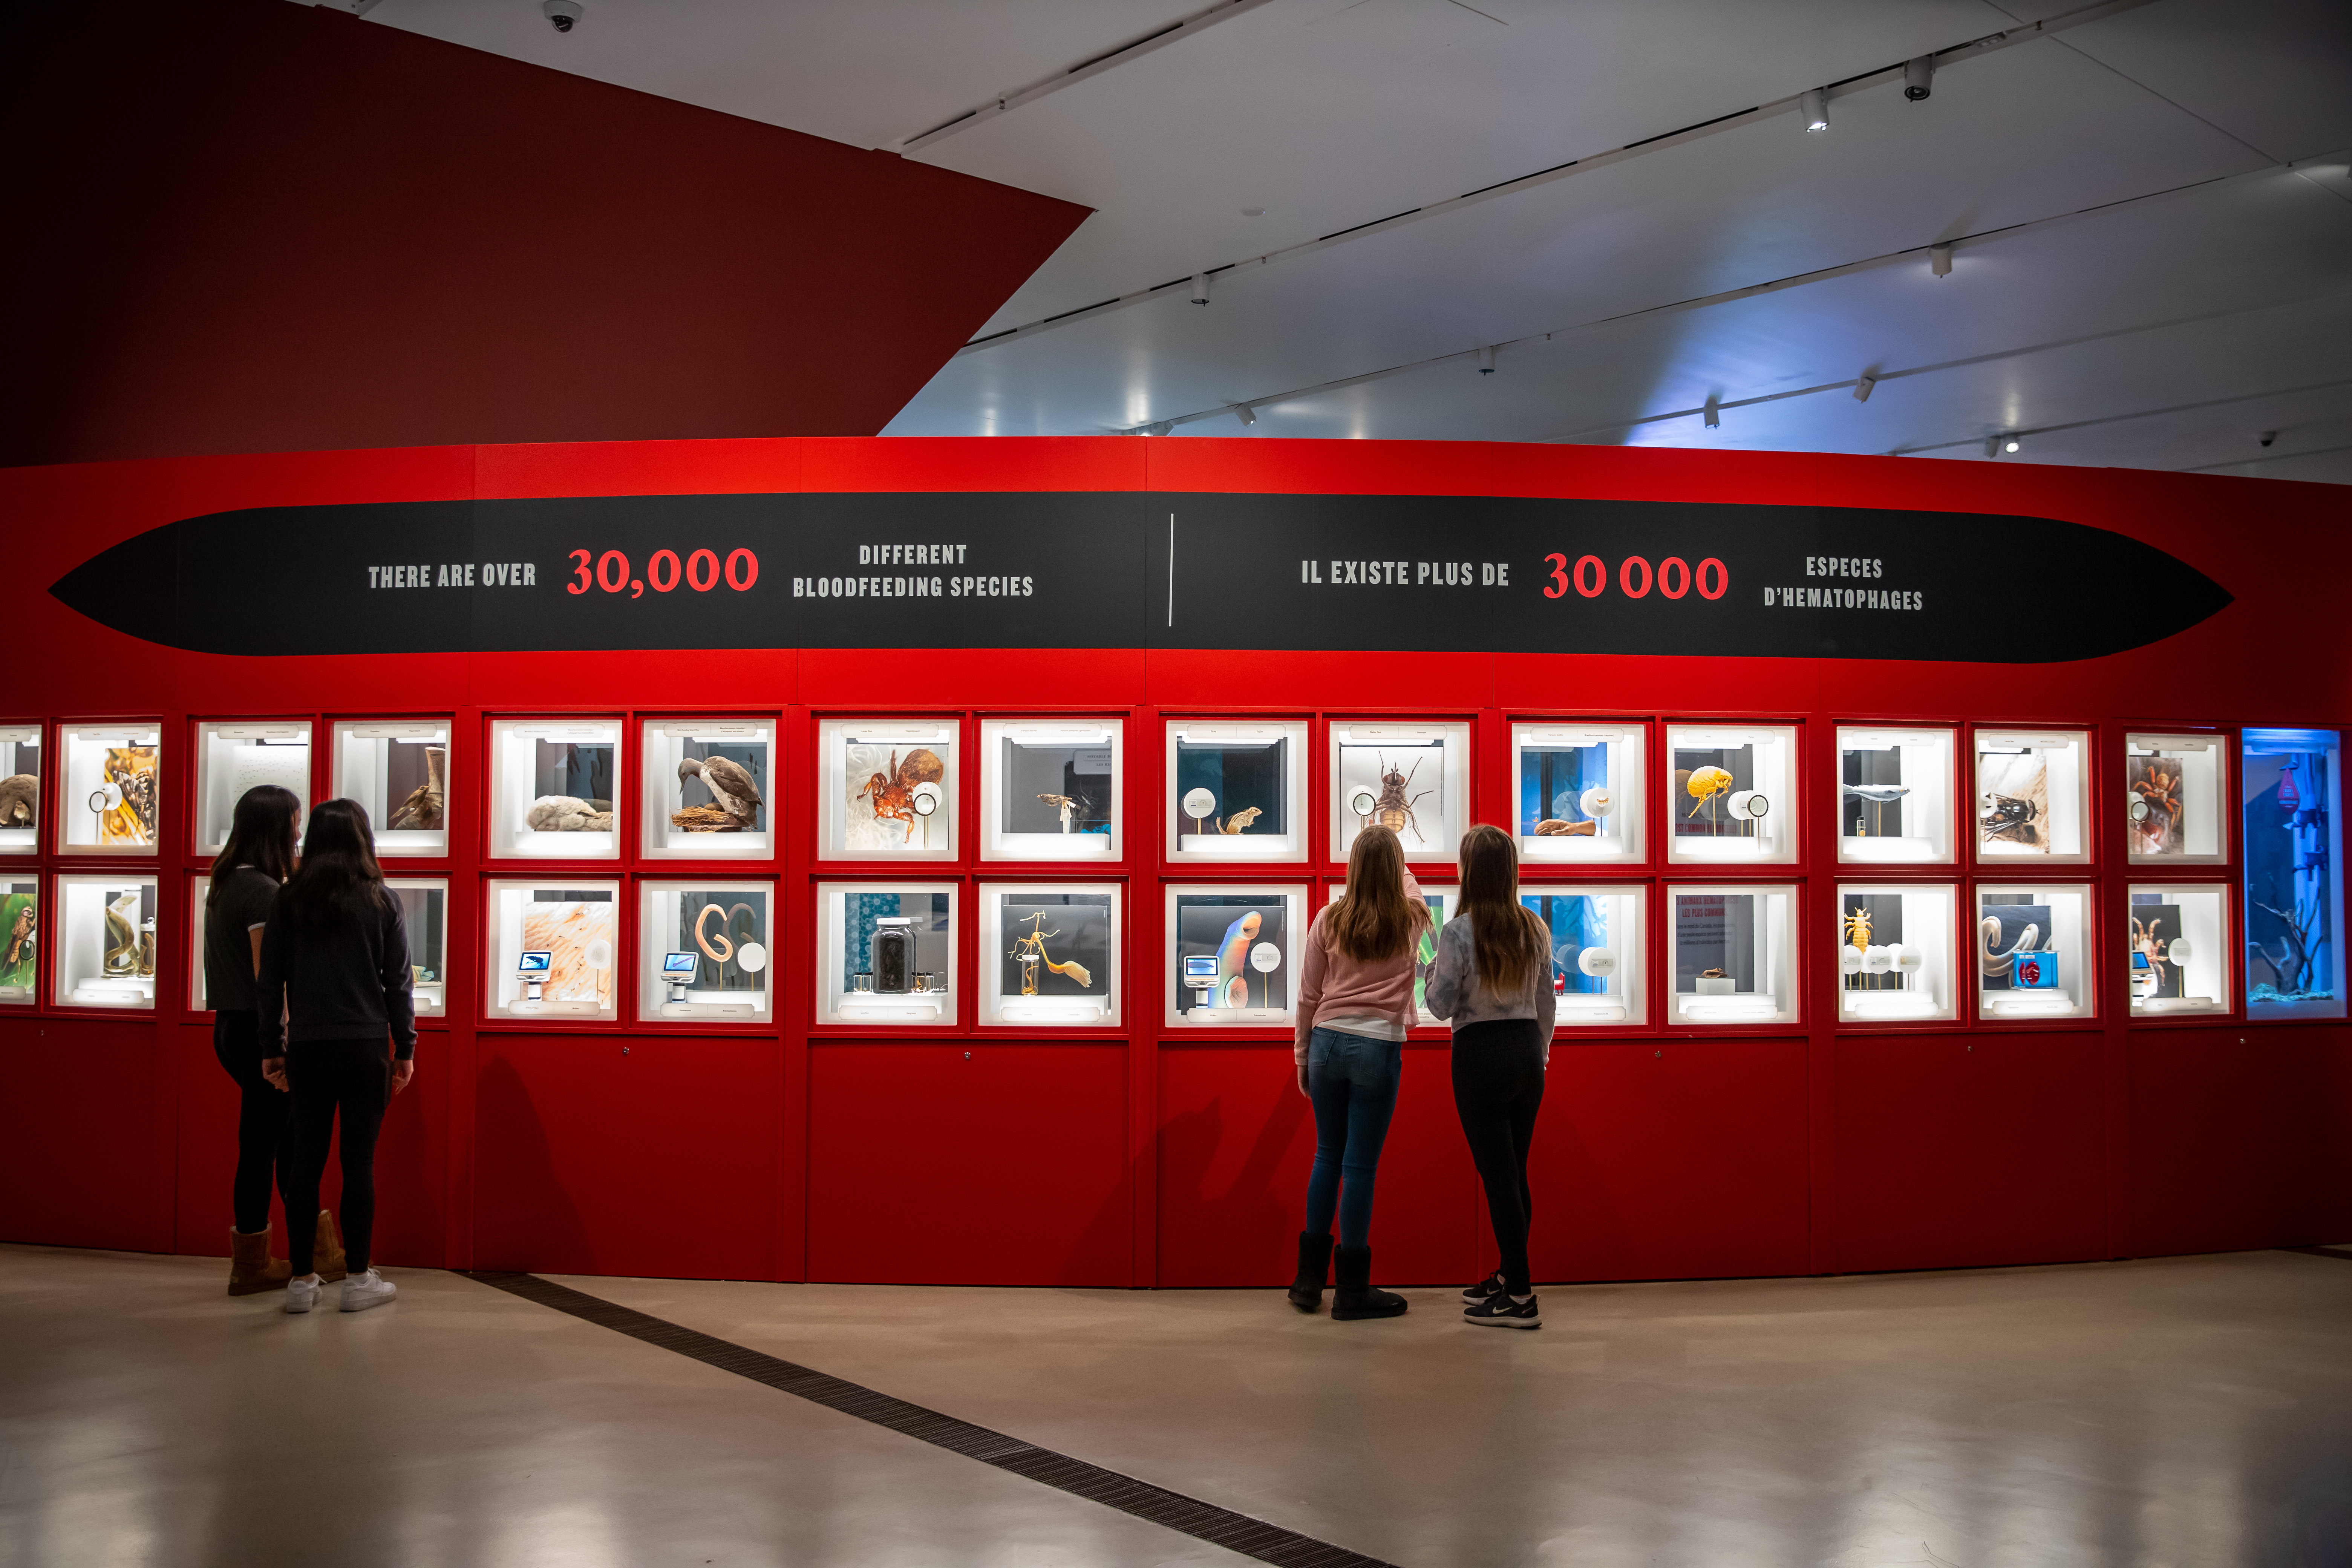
561 15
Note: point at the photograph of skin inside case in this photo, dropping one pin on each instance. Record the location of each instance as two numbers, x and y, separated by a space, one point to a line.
1233 955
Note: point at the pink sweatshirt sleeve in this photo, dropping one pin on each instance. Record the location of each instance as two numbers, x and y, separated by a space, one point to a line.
1310 988
1405 1019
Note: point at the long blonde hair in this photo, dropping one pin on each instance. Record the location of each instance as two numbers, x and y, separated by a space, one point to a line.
1373 920
1505 935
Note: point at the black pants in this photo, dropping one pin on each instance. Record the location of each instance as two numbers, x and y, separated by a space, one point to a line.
264 1147
1498 1084
354 1078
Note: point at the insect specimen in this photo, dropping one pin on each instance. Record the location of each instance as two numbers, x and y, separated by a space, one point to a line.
1030 949
2006 817
128 818
893 792
1704 786
2158 793
1393 809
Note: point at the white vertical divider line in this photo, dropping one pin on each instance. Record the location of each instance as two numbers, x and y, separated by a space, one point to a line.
1172 571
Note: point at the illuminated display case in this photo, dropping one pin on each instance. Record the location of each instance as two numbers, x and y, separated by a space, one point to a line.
104 940
553 950
1049 956
1728 950
1236 790
709 788
2032 794
1442 899
20 940
887 954
706 947
1413 779
235 755
1233 955
424 911
2177 948
889 790
2292 795
1596 952
110 789
1578 791
2175 787
1727 794
199 994
1049 789
21 795
1894 796
554 782
399 770
1894 952
2033 952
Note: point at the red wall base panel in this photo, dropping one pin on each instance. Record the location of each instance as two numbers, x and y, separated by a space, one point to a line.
86 1160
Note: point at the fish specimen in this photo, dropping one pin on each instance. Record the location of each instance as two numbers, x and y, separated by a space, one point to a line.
1989 931
1553 827
1233 961
893 792
568 813
20 800
1393 809
730 783
1030 949
1239 820
421 812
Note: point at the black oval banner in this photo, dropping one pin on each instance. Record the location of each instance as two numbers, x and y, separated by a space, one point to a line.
1132 569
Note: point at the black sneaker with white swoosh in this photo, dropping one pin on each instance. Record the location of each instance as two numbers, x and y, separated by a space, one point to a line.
1500 1311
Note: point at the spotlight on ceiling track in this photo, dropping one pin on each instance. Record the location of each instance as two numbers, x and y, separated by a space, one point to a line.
2009 445
1813 108
1713 411
561 15
1919 78
1246 414
1939 260
1863 388
1993 446
1486 359
2267 436
1160 427
1199 287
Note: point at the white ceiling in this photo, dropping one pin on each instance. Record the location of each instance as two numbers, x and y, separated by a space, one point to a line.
2181 170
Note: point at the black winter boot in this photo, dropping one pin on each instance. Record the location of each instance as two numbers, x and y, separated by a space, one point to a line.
1314 1265
1352 1296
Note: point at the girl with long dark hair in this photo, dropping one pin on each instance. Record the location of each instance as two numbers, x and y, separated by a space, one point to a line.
1355 1002
1493 979
334 954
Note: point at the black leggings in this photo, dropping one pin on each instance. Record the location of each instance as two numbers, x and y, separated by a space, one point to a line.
264 1112
353 1076
1498 1084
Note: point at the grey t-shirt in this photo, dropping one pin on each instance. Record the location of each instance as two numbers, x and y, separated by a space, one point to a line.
240 906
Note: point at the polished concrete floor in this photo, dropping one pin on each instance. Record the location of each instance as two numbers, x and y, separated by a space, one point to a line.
2183 1411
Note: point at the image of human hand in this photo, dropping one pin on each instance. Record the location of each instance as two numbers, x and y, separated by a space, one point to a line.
401 1073
273 1069
1302 1081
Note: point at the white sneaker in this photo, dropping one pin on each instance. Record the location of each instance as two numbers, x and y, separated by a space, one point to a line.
361 1291
302 1295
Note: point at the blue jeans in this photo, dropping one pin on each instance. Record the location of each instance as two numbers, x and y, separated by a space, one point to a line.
1353 1083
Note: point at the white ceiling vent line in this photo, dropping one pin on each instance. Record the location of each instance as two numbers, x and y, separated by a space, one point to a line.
1888 76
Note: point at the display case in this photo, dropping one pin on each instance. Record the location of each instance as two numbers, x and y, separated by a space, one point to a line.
1728 950
235 755
1442 899
103 935
553 950
1579 791
20 788
889 790
1049 956
424 911
887 955
1236 791
1412 779
2032 794
2178 948
2174 787
1049 789
1894 952
1894 796
398 769
709 788
706 947
1728 794
1596 952
2033 952
553 786
200 997
2292 793
1231 957
110 789
20 940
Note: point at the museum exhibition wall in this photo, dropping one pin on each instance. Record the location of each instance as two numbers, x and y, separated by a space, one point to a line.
889 859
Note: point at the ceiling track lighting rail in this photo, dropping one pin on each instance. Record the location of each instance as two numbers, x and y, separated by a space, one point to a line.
2007 441
2272 458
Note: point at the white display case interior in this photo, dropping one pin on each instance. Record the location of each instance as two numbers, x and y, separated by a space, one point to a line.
554 950
2178 948
20 788
2174 791
2032 794
1894 796
1236 791
1050 955
399 770
889 790
554 782
707 948
235 755
1232 956
1579 791
1729 949
1442 899
20 940
1413 779
1728 794
1596 952
2033 961
424 911
110 789
1894 952
1049 789
887 954
104 939
200 997
2292 801
709 788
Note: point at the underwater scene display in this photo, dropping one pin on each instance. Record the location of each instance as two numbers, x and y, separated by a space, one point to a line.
1564 790
2292 964
1584 950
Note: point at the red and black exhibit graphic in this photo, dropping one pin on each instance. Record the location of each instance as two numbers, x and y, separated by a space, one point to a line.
1140 568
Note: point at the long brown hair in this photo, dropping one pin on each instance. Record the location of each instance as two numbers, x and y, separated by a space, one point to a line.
1374 920
1504 934
340 879
260 835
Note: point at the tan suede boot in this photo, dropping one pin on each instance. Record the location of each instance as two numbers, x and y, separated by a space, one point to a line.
251 1269
327 1252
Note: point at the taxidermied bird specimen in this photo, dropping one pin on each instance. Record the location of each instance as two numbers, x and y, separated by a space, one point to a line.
421 812
20 797
568 813
730 784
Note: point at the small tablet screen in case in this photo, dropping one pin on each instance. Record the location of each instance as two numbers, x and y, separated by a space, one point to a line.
678 964
534 962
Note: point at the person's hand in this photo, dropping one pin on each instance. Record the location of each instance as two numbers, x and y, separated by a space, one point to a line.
401 1073
274 1069
1302 1081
